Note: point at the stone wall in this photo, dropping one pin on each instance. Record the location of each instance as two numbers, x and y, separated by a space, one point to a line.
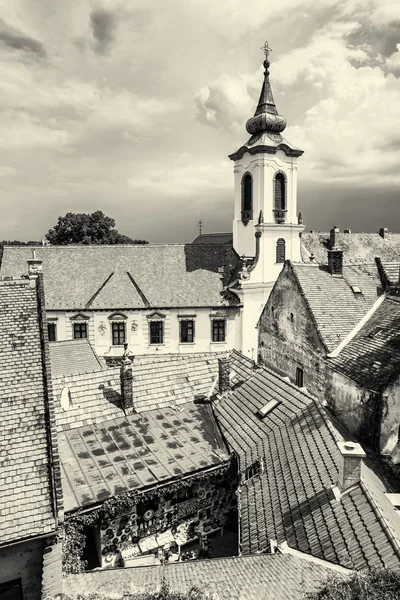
288 338
24 561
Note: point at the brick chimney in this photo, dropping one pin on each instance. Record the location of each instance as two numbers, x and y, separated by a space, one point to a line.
223 374
126 374
384 232
335 262
35 265
333 237
350 464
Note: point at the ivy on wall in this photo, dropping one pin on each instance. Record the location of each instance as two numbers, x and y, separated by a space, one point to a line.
75 526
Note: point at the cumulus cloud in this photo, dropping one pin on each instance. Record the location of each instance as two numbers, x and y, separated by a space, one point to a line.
104 27
17 40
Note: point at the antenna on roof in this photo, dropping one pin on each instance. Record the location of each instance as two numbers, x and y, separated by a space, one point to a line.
200 226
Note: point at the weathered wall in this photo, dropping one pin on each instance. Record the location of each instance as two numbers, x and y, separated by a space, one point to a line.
23 561
390 425
288 337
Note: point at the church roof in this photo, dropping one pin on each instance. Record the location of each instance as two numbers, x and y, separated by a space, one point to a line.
338 303
128 276
292 500
214 238
25 487
372 357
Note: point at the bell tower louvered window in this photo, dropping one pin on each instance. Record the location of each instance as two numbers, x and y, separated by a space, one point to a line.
280 250
247 198
280 198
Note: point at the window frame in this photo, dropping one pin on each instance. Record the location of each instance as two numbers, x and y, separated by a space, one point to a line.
181 323
116 325
13 583
52 324
280 256
80 325
299 377
218 320
159 323
247 198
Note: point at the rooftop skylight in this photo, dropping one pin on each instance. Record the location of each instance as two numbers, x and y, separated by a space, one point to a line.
267 408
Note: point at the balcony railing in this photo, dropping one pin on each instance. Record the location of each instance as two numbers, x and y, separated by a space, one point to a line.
247 215
280 215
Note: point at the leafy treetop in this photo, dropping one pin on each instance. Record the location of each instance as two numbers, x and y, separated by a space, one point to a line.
375 584
82 228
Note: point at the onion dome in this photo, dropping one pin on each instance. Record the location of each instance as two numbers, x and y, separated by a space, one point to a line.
266 117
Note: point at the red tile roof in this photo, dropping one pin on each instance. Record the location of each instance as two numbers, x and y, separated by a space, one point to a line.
25 489
127 276
73 356
372 357
159 381
262 577
293 500
355 246
137 451
336 307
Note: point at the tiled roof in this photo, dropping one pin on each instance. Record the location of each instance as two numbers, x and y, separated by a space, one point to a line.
127 276
25 493
372 357
73 356
159 381
214 238
355 246
336 307
293 500
263 577
137 451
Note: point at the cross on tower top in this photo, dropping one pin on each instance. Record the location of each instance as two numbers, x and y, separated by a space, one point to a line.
266 49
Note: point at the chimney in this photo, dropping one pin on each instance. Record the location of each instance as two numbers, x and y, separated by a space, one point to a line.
223 374
350 464
347 231
35 265
126 373
333 237
384 232
335 262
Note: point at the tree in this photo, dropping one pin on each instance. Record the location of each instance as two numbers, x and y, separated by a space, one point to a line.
165 593
375 584
82 228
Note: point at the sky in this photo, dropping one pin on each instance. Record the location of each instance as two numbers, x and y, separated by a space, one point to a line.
132 107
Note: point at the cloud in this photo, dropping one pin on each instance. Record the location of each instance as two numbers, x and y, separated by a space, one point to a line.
16 40
104 27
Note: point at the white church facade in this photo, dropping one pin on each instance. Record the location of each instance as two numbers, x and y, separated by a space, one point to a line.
172 298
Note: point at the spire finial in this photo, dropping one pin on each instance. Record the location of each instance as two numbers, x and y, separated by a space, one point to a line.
266 49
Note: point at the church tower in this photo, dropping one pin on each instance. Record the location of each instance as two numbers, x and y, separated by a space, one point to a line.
266 227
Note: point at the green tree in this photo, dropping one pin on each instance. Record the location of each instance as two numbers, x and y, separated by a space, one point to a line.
375 584
82 228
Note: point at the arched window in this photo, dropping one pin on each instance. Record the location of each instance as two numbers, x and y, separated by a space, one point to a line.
280 250
280 198
247 198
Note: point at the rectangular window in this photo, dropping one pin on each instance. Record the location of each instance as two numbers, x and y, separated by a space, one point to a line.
52 331
253 470
187 331
11 590
156 332
299 377
118 334
80 331
218 330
